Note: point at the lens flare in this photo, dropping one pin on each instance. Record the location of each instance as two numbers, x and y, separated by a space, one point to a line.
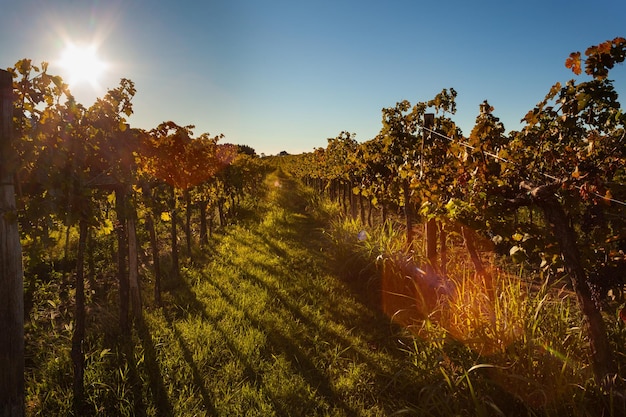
82 64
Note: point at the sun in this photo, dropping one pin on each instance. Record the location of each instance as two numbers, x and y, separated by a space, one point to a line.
82 64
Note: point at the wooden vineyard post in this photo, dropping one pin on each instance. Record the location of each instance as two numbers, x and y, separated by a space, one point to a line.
431 224
11 272
604 367
408 213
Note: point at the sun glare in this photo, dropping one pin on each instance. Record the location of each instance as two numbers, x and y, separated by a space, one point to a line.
82 65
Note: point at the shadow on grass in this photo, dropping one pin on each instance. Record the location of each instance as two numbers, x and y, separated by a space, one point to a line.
359 278
274 240
298 359
194 307
138 402
157 387
368 324
198 381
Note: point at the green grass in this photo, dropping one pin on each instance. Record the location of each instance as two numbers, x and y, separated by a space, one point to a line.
523 351
263 326
282 315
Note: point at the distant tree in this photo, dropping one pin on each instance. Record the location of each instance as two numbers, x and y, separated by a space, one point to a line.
245 149
283 153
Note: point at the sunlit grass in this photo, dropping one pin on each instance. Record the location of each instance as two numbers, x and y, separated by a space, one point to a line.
262 326
517 349
283 315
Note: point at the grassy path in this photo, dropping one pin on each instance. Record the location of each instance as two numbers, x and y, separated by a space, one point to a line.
268 322
266 328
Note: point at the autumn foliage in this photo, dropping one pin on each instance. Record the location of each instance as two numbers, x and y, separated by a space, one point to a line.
551 197
169 153
600 58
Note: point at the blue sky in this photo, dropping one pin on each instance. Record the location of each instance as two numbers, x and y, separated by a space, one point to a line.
287 75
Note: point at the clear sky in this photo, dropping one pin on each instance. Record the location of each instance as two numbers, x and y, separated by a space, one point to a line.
288 74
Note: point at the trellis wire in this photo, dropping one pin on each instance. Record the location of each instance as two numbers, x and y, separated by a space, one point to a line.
499 158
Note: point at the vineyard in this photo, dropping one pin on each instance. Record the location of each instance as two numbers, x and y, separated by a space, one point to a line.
420 272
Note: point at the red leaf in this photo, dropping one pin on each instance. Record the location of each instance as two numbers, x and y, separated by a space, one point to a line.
573 62
605 47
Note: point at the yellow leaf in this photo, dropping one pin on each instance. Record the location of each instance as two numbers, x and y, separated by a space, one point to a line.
165 216
107 227
517 237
